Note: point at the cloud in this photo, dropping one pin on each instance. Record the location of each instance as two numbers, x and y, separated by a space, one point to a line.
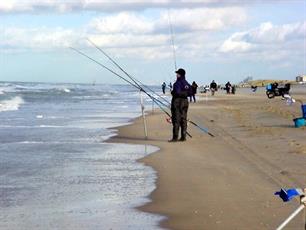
131 33
267 38
183 21
62 6
122 23
37 38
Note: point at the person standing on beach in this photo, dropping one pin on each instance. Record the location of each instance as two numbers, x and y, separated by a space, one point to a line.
194 88
228 87
179 105
213 87
170 86
164 85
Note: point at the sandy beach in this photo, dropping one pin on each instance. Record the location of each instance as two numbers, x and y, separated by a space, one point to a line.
226 182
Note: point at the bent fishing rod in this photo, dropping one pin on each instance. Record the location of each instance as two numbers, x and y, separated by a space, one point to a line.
126 80
137 83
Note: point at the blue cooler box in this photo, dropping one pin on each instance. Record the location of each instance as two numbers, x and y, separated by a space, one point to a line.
299 122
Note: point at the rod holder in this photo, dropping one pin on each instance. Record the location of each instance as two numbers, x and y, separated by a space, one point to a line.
287 195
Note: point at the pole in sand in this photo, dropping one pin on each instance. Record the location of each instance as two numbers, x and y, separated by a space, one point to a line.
287 195
143 116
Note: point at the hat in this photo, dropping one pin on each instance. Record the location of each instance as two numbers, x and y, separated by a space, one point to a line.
181 72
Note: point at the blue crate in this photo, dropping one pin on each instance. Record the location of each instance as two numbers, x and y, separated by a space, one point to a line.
299 122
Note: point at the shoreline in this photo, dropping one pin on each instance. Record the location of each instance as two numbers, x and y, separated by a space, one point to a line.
202 182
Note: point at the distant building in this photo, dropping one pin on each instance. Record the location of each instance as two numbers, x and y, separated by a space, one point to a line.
301 78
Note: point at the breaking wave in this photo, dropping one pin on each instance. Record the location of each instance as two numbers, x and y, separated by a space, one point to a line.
11 104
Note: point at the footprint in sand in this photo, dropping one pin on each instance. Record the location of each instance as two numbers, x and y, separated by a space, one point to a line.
292 142
302 149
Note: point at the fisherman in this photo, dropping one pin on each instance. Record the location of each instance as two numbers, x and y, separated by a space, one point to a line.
179 105
228 87
194 88
164 85
213 87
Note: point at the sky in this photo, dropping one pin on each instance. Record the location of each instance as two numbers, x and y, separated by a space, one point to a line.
222 40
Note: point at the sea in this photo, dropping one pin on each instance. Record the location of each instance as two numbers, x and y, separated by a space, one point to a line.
57 171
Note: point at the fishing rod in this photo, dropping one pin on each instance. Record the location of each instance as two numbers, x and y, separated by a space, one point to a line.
139 86
201 128
131 83
137 82
100 64
118 75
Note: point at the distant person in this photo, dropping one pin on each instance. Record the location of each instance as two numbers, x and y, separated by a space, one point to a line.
233 89
194 88
179 105
228 87
213 87
254 88
274 85
170 86
164 85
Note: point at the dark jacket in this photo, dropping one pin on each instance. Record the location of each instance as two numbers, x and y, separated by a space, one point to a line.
194 87
181 88
213 85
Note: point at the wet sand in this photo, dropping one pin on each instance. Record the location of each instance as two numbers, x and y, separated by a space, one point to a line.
226 182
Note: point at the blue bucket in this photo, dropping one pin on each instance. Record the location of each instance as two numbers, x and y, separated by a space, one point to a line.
304 110
299 122
269 87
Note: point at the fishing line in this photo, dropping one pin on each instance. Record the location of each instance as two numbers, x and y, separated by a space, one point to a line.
137 82
172 40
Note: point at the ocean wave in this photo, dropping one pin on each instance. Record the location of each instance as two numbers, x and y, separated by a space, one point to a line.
6 89
11 104
66 90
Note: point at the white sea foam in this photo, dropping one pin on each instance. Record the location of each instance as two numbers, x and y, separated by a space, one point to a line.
6 89
11 104
66 90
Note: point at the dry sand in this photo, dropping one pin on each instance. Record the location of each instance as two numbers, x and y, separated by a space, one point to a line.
226 182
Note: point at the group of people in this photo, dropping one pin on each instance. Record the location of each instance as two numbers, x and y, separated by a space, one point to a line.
230 89
164 86
213 88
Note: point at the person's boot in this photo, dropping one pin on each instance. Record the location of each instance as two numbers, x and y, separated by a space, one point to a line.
183 137
173 140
